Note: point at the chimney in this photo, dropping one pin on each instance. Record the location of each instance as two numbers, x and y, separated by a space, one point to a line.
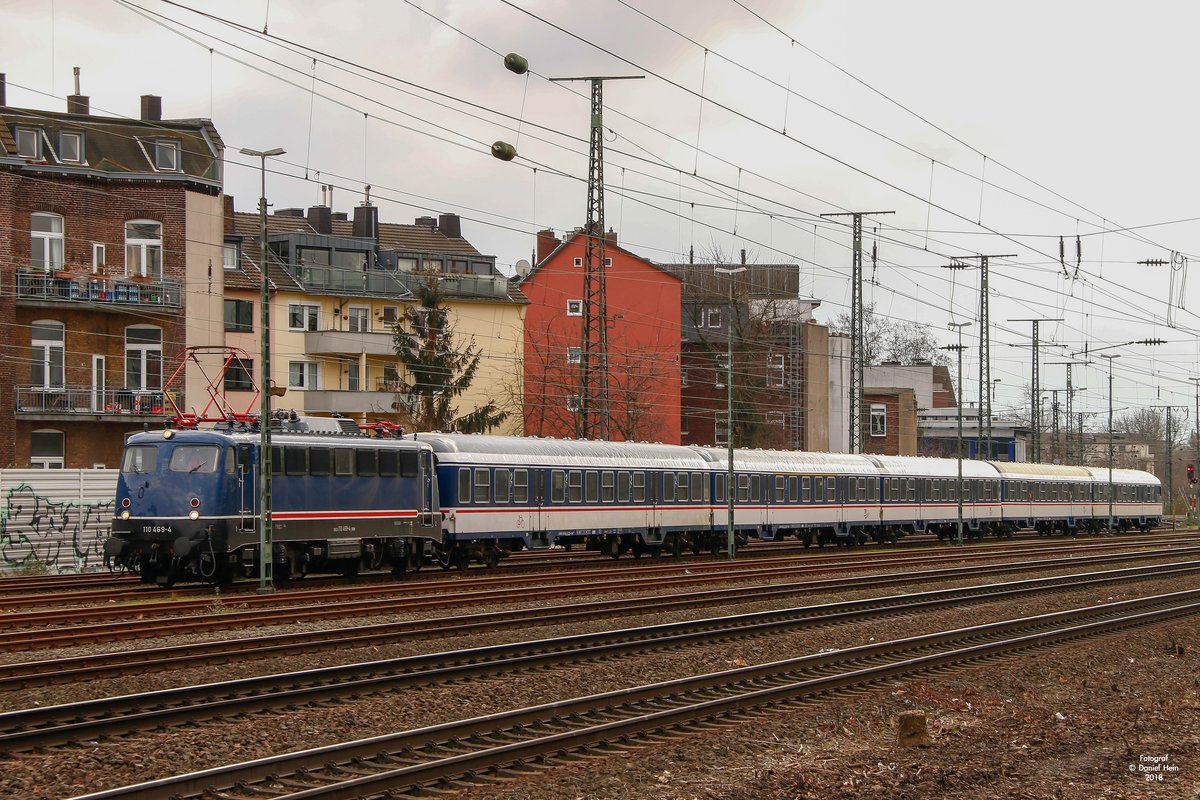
450 225
426 222
3 89
227 201
77 103
151 108
320 220
366 222
611 237
546 243
288 212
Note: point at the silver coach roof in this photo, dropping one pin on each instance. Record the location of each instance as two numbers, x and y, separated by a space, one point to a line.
924 467
789 461
1100 475
463 448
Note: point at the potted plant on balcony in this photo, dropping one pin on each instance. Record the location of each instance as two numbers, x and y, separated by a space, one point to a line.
62 273
142 278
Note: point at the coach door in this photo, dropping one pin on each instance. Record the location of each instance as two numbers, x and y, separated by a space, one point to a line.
426 478
247 485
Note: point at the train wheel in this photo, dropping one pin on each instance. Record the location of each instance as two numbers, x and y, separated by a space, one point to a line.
807 539
612 547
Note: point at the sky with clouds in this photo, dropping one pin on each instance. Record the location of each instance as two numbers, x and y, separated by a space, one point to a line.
986 128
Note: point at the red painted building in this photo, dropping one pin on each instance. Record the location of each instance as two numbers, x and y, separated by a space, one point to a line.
643 372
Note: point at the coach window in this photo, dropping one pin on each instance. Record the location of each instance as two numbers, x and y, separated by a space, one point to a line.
410 464
681 487
319 461
743 488
483 485
389 463
756 488
607 487
719 480
806 489
639 487
818 490
343 461
831 489
591 486
873 487
668 494
912 490
933 490
699 487
521 486
558 486
793 490
295 460
503 480
780 489
575 486
622 487
366 462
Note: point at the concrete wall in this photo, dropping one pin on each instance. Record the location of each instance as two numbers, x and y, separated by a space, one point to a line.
55 519
204 274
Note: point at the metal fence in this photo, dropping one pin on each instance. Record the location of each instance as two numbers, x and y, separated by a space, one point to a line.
55 520
100 289
90 400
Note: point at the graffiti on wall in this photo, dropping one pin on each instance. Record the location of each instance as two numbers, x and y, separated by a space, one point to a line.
60 534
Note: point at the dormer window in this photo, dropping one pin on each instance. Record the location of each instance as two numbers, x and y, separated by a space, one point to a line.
70 147
166 155
29 142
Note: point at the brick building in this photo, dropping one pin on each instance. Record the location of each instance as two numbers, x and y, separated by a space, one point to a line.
643 341
109 232
891 421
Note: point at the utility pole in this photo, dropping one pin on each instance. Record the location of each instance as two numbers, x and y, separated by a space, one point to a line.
1067 451
1110 358
985 350
959 455
1036 409
1169 448
1055 450
856 326
592 419
1192 504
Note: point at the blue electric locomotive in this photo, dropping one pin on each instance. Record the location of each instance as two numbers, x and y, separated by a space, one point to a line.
188 504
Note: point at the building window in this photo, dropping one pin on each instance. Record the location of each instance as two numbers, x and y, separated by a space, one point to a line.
391 315
143 249
166 155
574 308
239 375
239 315
406 264
302 317
683 376
608 262
683 424
577 261
878 420
573 404
391 379
353 376
232 256
775 419
46 242
357 319
721 370
47 449
712 317
302 374
143 358
98 257
70 147
721 431
29 143
47 358
775 370
574 355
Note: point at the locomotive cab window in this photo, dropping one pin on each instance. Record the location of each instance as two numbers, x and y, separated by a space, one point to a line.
194 458
140 459
295 460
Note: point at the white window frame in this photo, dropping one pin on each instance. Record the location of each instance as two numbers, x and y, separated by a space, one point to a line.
577 305
23 134
721 430
50 356
47 462
577 261
145 355
141 249
309 376
231 256
354 376
607 262
574 355
390 315
49 246
98 263
63 136
712 317
775 369
683 376
310 316
363 316
722 370
574 405
878 419
162 147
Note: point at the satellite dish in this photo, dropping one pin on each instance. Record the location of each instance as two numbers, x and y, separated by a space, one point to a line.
523 266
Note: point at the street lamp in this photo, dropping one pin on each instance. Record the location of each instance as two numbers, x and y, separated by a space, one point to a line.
1110 439
959 490
731 544
266 579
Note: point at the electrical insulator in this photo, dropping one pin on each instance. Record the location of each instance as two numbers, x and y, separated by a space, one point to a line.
514 62
504 151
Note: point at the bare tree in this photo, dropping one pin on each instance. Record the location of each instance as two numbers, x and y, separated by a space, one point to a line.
894 340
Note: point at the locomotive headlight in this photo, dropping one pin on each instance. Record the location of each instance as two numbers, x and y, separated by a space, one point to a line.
124 515
193 514
167 434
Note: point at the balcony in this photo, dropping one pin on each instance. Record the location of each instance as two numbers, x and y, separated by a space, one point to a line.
95 290
348 342
67 401
340 401
475 285
348 281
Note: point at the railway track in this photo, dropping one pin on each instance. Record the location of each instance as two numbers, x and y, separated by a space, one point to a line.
92 719
497 746
97 630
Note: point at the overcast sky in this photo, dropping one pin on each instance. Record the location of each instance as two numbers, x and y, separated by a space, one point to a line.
1040 120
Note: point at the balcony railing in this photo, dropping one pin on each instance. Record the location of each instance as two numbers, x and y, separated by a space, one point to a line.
165 292
374 281
92 400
